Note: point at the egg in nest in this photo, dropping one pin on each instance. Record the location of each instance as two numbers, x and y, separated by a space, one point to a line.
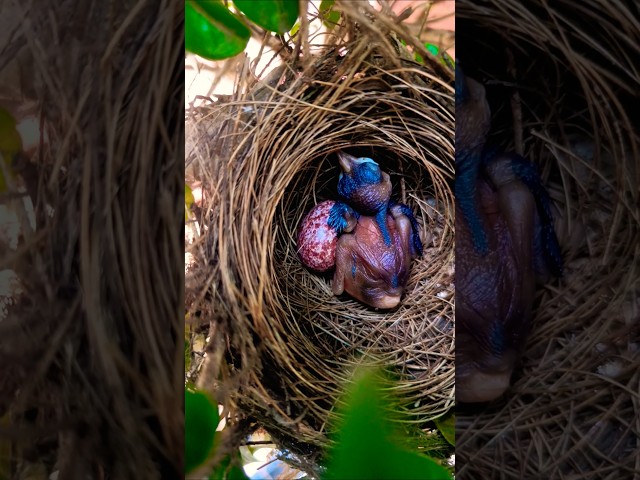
316 239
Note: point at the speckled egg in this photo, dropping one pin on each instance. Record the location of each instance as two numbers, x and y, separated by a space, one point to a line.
316 240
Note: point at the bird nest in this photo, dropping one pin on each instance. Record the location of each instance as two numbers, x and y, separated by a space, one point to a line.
280 343
90 370
560 80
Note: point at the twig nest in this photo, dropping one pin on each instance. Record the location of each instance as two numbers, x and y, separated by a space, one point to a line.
316 239
282 344
563 416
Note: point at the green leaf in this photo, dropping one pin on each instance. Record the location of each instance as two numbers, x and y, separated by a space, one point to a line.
189 200
220 470
367 446
273 15
448 61
212 31
225 470
330 17
295 29
432 49
187 355
236 473
200 422
447 426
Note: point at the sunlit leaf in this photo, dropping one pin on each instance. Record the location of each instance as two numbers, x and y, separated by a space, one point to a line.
273 15
212 31
188 196
447 426
330 17
367 446
432 49
295 29
200 423
189 200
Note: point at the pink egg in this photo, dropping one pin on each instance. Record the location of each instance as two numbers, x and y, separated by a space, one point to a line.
316 240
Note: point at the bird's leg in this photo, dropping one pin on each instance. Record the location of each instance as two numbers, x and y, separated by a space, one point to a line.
518 208
400 210
344 262
405 229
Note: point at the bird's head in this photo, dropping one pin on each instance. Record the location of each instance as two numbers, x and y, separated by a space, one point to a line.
363 184
363 170
473 117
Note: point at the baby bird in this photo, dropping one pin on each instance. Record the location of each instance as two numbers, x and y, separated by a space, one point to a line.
369 240
366 188
505 243
366 267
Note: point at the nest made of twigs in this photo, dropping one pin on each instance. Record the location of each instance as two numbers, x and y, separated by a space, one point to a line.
90 363
560 80
281 344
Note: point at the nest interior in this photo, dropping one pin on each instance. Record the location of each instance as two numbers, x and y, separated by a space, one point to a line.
282 346
560 80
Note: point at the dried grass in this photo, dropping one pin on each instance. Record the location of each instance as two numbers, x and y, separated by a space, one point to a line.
91 356
282 345
567 78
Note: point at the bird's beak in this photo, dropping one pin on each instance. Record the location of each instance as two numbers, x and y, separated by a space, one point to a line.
346 161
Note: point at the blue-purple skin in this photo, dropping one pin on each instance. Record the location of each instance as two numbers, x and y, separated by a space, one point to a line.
366 189
473 120
505 243
377 237
472 155
367 268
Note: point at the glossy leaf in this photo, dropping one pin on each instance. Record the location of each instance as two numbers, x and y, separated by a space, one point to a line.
330 17
367 446
432 49
295 29
200 423
273 15
447 426
189 200
212 31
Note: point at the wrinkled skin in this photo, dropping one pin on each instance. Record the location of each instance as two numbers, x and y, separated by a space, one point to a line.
367 268
494 292
499 252
366 189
